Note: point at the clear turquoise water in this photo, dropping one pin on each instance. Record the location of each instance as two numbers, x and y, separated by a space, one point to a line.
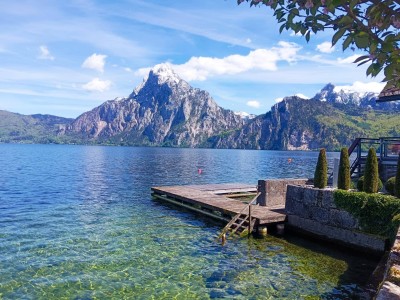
78 222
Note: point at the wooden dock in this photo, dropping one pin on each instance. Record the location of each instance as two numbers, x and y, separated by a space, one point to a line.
220 201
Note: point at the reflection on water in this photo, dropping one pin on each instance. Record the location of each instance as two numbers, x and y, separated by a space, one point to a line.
78 222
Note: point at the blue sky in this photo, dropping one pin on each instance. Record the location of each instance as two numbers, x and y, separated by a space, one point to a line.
67 57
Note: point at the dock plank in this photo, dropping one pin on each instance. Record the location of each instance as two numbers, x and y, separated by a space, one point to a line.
211 196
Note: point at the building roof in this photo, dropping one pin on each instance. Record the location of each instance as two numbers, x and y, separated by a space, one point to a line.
389 93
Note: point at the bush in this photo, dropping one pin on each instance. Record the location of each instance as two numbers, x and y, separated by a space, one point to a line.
371 175
360 184
344 170
321 171
397 181
389 185
376 213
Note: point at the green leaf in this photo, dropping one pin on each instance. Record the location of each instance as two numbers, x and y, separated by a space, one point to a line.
294 11
281 28
308 36
345 20
374 69
347 42
361 41
358 59
337 36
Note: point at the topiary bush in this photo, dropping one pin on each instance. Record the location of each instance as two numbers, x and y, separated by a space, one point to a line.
360 184
377 213
321 171
389 185
344 170
371 175
397 181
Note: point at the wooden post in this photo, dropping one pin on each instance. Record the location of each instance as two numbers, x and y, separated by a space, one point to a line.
250 218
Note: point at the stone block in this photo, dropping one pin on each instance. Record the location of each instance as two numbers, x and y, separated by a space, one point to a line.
310 196
318 214
294 208
342 219
327 198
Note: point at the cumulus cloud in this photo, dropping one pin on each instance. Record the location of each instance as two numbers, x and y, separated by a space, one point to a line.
253 103
362 87
95 62
325 47
97 85
202 68
44 53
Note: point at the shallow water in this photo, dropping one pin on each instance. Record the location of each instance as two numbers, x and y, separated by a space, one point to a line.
78 222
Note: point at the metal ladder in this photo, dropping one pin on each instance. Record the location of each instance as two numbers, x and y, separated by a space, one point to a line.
242 224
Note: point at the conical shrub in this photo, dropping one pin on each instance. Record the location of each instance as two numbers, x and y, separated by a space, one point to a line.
321 171
397 181
371 175
344 170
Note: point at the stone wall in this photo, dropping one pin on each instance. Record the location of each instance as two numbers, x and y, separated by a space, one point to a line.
273 191
314 211
390 287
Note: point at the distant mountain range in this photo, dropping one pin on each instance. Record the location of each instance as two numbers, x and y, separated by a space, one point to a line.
165 110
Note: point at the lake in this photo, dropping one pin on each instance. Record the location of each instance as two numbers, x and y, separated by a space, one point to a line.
78 222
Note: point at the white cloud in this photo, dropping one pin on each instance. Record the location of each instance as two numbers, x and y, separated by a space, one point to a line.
248 41
201 68
44 53
253 103
326 47
128 69
277 100
362 87
348 60
95 62
97 85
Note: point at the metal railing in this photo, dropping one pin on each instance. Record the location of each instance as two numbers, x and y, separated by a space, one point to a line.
387 149
237 216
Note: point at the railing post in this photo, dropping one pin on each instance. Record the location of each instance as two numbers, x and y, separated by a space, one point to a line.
250 218
359 157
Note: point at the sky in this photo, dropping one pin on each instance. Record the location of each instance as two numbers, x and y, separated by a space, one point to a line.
67 57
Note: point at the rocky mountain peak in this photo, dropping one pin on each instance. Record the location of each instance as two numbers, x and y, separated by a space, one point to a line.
164 74
341 95
159 75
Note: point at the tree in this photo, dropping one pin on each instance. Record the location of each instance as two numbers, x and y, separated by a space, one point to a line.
321 171
369 25
344 170
397 180
371 175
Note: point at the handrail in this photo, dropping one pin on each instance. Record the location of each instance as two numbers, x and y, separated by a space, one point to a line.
226 228
354 145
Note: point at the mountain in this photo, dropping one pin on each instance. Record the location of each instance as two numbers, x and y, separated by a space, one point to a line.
245 115
162 111
165 110
17 128
299 124
336 95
